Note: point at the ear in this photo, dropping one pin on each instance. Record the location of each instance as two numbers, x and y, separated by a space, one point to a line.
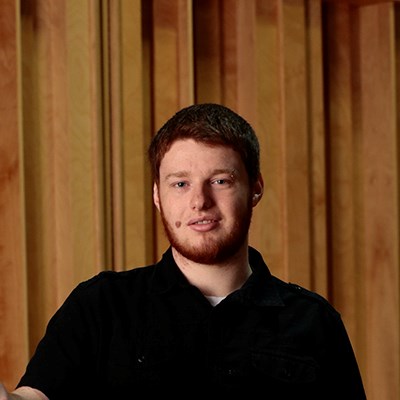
156 197
258 190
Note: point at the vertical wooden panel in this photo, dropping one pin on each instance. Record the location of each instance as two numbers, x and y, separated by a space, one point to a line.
207 51
294 136
13 306
39 276
317 143
63 143
341 163
84 137
344 185
114 140
281 224
363 184
172 70
130 135
378 115
137 134
266 232
238 61
225 54
173 67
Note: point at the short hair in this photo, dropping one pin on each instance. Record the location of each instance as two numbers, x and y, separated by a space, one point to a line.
212 124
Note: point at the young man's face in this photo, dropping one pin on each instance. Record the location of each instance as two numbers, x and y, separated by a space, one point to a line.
205 200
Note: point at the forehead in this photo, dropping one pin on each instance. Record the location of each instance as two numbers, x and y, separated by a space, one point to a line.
190 154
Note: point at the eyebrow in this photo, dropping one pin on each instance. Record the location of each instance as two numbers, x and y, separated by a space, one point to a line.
183 174
178 174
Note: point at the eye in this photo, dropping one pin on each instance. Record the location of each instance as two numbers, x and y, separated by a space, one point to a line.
180 184
222 182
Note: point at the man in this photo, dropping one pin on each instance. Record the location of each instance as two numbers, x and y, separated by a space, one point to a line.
208 319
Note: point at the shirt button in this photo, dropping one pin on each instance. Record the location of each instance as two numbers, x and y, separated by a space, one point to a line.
287 373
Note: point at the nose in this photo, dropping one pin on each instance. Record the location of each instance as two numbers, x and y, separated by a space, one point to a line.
201 198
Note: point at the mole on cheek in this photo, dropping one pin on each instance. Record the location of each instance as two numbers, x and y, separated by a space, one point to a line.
178 224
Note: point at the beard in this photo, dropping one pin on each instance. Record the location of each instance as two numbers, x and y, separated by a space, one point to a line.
213 250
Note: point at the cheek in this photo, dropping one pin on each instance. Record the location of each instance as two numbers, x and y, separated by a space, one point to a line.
242 208
170 210
240 201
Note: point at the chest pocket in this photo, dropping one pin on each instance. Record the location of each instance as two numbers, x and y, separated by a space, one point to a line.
285 368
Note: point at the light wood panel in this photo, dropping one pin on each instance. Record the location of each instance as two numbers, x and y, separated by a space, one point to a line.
294 144
267 231
341 162
128 77
13 305
290 133
363 155
317 145
137 134
63 152
380 198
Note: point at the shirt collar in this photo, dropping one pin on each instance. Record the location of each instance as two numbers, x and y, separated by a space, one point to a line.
259 289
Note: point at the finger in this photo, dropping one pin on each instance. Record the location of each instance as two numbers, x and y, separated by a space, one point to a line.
3 392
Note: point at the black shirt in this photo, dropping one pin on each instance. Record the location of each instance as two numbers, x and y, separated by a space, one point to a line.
148 330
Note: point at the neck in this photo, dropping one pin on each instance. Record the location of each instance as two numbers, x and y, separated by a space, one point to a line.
216 279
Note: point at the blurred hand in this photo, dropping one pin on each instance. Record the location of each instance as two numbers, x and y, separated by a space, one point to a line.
4 395
22 393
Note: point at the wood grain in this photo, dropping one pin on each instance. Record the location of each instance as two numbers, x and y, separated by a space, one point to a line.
84 87
13 289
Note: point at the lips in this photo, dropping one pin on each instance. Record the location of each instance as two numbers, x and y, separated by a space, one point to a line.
203 224
208 219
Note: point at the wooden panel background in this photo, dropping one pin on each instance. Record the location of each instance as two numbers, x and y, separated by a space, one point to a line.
85 84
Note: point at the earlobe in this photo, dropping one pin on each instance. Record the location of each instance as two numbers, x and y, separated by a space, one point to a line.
258 190
256 198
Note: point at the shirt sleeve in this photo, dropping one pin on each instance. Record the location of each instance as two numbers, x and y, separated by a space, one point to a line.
63 360
342 374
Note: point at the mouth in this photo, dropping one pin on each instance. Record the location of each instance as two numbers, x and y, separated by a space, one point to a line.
203 224
207 219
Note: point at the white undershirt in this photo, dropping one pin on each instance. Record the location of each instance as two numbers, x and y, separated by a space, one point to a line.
214 300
